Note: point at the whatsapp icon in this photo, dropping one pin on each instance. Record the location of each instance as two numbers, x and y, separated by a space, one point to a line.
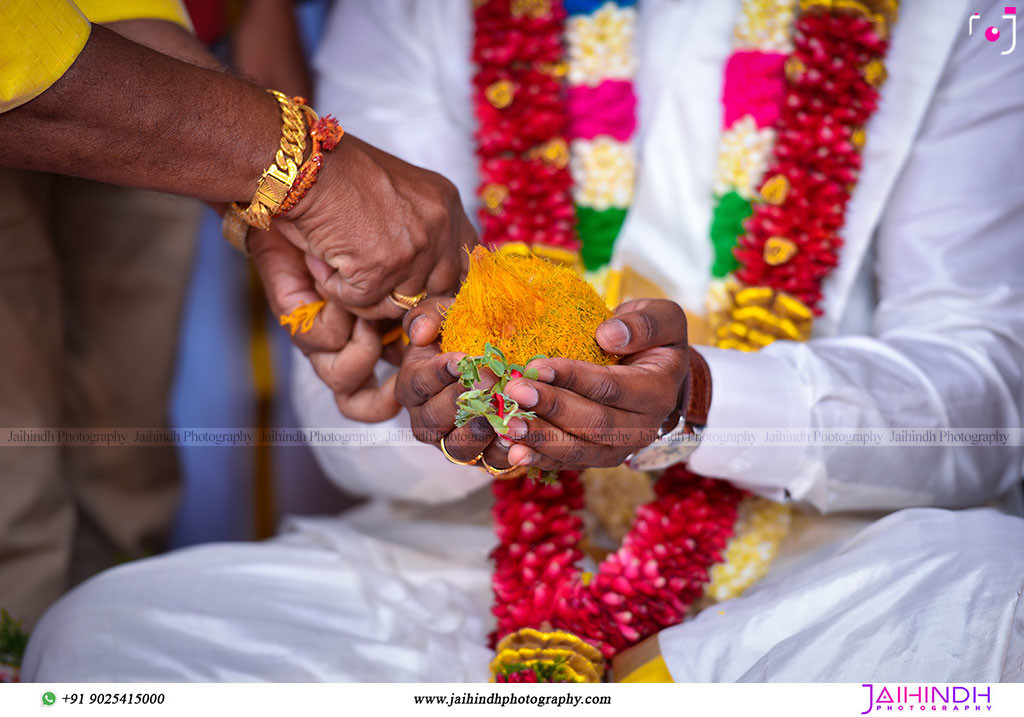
49 698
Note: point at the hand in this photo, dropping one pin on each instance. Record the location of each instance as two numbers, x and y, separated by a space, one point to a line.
378 224
342 348
592 416
428 385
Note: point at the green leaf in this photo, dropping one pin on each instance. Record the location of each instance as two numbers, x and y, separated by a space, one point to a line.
498 367
478 407
536 356
532 373
497 424
491 349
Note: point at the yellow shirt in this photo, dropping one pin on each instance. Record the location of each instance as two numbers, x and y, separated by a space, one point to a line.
41 38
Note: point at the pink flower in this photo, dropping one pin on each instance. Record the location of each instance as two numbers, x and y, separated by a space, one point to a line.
755 84
609 109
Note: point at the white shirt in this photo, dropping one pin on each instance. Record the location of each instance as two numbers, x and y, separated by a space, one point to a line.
924 318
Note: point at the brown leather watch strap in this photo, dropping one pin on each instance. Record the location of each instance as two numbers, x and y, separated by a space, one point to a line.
698 402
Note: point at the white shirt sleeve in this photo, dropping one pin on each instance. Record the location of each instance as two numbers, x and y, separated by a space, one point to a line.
375 459
947 344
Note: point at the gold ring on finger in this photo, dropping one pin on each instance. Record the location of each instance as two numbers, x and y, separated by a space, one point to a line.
456 461
497 471
404 302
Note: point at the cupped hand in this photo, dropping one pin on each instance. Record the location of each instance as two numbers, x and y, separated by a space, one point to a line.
342 348
428 386
593 416
377 225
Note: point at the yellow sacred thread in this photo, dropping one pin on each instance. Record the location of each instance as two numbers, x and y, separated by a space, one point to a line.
300 319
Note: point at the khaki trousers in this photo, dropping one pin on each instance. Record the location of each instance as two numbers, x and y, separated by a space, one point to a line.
92 284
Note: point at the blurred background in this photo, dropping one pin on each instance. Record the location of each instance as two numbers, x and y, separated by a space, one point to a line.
233 365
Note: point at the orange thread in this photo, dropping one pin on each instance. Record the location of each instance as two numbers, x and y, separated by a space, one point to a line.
300 319
325 133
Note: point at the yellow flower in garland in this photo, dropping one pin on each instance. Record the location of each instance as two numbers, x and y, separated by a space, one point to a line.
765 25
530 655
526 307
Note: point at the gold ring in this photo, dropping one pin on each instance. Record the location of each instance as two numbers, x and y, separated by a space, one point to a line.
456 461
496 471
406 302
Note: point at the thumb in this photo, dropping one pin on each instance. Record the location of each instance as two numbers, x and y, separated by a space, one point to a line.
641 325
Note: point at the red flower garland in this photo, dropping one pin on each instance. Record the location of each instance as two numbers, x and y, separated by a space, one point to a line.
520 106
646 585
831 95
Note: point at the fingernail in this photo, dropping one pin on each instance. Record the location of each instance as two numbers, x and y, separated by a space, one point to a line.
504 442
418 321
520 456
516 428
614 333
481 429
453 367
523 393
545 373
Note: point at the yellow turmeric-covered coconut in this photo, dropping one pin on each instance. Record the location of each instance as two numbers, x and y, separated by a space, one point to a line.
525 306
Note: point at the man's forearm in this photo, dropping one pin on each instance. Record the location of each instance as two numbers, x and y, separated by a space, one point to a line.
128 115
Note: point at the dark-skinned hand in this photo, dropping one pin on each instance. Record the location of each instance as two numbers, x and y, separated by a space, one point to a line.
342 348
378 224
587 415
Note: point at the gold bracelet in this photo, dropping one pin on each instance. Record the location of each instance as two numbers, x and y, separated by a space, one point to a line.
278 178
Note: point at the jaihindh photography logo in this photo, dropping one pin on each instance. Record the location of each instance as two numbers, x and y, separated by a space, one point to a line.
945 698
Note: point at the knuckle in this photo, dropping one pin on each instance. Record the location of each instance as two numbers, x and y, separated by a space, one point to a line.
569 379
420 388
574 454
442 375
431 419
549 403
608 390
601 424
647 326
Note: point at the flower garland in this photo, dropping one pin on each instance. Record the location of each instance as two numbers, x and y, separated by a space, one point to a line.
554 125
525 185
789 160
648 584
602 120
699 540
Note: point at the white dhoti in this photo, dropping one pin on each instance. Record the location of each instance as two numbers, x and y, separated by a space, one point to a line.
920 595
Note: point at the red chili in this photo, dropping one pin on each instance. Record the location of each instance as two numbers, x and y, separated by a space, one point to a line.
499 403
